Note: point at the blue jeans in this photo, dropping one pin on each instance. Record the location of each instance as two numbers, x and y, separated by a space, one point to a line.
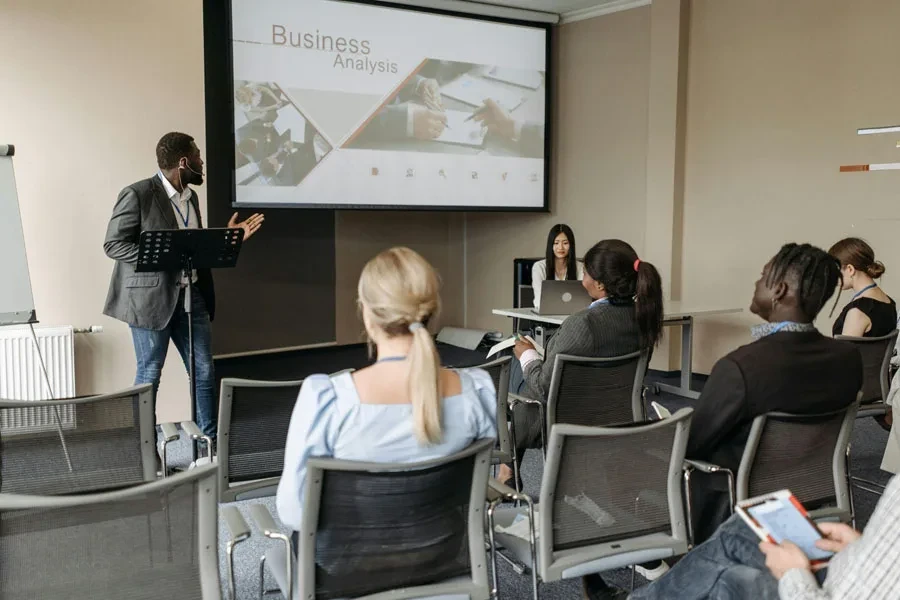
151 347
728 566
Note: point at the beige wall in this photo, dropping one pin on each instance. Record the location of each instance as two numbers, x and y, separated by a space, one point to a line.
599 159
88 87
776 92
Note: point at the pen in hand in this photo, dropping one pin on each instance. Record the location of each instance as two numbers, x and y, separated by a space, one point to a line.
479 111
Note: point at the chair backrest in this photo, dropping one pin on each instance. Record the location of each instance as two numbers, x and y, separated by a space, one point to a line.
605 484
803 453
371 527
156 540
77 445
596 392
499 372
254 417
876 355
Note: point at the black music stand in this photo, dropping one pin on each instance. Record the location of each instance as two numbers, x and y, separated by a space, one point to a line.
185 250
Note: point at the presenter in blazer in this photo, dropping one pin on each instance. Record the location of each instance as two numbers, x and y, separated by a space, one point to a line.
153 303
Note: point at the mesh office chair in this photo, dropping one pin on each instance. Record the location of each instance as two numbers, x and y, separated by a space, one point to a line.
77 445
505 449
610 497
594 392
396 531
806 454
254 417
156 540
876 354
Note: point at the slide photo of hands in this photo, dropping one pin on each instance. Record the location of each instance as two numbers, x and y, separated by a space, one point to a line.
460 108
275 144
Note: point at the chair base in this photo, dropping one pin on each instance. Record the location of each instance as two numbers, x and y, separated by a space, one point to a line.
568 564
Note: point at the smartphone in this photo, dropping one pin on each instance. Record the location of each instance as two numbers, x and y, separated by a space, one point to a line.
779 516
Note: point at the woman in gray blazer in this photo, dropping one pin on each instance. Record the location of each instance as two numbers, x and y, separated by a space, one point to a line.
625 316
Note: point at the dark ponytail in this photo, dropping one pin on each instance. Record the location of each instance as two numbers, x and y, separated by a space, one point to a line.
627 279
648 304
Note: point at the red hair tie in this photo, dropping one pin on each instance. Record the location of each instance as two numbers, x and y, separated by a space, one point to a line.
637 263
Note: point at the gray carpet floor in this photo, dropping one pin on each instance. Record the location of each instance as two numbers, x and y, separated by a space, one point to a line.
867 447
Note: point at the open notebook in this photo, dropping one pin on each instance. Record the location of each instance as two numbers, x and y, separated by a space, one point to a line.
460 131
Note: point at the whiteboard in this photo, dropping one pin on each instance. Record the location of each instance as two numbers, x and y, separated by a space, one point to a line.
16 299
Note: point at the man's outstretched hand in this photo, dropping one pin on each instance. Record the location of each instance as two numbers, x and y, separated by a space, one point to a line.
250 226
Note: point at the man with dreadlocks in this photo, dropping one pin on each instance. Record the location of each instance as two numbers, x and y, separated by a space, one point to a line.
790 367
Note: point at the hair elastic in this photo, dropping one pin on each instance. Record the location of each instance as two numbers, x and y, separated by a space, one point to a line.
637 263
413 327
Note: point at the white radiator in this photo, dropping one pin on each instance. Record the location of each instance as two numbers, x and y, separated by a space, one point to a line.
21 377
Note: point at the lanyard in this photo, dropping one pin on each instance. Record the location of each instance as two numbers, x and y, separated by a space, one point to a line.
779 326
184 219
862 291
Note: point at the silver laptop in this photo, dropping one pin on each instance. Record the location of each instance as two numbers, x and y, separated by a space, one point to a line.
562 298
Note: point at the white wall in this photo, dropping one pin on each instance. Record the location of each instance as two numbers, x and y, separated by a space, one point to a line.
88 88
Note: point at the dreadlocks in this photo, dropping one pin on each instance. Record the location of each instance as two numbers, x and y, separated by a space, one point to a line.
815 272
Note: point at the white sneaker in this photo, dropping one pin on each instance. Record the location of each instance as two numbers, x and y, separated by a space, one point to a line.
653 574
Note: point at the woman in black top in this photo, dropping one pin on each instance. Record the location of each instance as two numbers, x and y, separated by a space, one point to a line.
871 312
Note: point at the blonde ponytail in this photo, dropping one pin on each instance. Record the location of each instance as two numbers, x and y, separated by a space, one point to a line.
398 291
424 386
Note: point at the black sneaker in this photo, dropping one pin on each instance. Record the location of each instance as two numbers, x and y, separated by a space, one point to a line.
594 588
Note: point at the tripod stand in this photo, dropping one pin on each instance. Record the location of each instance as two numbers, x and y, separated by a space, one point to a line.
186 250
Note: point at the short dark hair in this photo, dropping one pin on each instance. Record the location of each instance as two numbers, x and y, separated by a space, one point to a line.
627 280
550 257
171 148
815 272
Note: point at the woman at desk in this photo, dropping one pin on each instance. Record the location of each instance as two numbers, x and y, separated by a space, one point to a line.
559 262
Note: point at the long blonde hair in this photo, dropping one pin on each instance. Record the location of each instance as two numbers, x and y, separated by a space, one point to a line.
400 292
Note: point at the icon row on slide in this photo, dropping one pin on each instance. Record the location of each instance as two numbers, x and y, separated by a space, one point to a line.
443 173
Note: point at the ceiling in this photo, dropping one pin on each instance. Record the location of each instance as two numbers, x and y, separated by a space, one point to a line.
570 10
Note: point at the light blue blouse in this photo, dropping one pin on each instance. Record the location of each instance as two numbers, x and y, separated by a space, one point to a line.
330 421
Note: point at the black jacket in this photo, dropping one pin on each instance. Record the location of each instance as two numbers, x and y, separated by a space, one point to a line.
793 372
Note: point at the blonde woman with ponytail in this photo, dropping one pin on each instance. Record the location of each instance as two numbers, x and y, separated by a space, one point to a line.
403 408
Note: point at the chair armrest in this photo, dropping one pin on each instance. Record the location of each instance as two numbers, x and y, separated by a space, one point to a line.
238 528
169 431
191 429
514 399
264 521
498 492
704 466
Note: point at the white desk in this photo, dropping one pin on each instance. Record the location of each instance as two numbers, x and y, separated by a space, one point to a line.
676 314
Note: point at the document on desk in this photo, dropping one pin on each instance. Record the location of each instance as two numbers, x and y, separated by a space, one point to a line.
510 342
462 132
530 79
475 90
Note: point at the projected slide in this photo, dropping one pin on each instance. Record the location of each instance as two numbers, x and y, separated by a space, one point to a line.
343 104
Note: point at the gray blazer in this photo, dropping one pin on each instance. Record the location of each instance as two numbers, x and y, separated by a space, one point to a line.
604 331
146 300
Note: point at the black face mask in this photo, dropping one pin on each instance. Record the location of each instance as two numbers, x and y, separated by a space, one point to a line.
191 176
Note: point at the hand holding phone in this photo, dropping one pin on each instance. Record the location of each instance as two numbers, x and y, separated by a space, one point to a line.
779 517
